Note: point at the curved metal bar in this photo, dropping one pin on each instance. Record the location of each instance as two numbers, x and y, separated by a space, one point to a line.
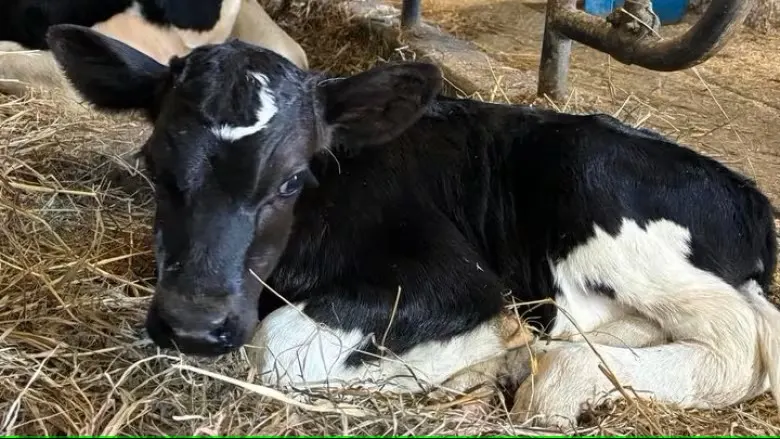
564 24
699 43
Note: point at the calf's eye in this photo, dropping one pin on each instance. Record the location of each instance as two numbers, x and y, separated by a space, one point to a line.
292 186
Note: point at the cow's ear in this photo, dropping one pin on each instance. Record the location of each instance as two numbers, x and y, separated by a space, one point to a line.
379 104
106 72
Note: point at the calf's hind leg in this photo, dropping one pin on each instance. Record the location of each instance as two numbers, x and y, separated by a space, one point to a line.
630 331
712 360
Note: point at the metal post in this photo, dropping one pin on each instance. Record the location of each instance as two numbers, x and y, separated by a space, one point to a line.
556 51
410 13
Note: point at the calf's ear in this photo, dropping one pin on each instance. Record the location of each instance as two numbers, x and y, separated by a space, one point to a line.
106 72
379 104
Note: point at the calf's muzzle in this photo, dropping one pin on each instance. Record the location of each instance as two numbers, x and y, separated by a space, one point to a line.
201 323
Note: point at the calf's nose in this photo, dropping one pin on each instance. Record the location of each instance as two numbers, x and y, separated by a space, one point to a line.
206 338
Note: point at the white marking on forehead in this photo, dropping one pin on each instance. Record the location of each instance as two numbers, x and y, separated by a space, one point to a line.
267 110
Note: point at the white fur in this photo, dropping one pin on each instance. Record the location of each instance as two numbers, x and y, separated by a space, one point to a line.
751 288
291 350
264 114
576 303
713 359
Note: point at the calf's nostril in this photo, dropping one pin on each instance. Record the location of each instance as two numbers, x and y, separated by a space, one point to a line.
223 332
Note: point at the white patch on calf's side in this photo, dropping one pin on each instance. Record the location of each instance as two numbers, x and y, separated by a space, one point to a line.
638 263
578 304
291 350
264 114
652 275
720 347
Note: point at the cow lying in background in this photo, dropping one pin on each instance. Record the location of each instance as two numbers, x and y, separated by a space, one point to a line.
161 29
395 222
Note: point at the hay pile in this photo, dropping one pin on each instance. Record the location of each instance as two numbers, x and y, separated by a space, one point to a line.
76 276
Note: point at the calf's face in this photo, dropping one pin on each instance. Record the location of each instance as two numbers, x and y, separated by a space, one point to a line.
235 127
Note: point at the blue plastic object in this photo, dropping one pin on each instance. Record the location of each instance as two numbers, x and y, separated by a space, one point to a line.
668 11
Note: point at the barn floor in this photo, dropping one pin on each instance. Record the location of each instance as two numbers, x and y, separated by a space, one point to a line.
76 270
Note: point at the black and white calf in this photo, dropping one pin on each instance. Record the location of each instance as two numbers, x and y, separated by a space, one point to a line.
160 29
386 214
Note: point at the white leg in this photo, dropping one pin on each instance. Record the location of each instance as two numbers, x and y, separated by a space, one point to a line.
630 331
516 346
688 374
292 350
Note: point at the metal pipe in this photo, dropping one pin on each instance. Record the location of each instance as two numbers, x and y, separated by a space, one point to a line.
699 43
556 51
565 23
410 13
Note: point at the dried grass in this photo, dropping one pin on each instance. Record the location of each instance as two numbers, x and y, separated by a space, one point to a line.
76 277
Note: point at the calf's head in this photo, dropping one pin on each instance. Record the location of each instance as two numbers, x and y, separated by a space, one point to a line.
234 129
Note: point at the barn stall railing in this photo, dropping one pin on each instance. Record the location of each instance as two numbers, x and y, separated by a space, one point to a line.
628 34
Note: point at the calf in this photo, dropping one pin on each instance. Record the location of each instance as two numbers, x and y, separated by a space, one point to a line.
161 29
388 226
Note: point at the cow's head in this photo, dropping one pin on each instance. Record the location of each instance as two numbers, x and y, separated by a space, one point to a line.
235 127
